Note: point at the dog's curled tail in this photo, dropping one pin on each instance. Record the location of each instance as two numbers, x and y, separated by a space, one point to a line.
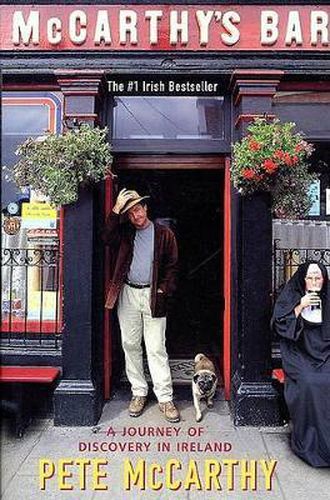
199 357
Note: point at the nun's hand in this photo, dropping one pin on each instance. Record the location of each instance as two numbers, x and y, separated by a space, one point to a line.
310 299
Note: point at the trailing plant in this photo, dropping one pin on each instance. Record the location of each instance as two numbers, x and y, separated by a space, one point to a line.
58 165
273 158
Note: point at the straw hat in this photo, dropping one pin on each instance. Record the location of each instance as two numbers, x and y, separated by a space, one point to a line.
134 200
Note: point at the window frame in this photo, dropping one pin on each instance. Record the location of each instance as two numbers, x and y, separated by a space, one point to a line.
55 109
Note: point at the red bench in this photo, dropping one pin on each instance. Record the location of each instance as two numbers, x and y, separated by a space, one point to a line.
23 376
279 375
29 374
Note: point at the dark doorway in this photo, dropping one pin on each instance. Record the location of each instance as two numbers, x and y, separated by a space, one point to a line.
191 203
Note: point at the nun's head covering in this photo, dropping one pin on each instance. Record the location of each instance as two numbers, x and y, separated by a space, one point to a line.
295 288
298 279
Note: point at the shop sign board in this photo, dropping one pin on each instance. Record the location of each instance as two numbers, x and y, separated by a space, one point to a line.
215 27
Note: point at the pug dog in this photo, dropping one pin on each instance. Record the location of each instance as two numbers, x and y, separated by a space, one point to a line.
204 383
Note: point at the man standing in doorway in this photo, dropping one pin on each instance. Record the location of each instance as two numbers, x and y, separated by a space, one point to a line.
144 274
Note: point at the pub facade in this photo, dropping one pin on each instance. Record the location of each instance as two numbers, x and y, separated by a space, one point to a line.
176 85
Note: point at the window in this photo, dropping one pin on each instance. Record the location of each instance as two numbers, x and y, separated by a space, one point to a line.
309 110
176 124
30 246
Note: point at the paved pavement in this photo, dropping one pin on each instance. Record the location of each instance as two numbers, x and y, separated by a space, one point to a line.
292 478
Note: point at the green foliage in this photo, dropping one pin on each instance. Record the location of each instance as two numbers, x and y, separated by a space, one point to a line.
58 165
273 158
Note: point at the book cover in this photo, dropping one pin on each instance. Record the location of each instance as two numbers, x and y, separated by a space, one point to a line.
175 85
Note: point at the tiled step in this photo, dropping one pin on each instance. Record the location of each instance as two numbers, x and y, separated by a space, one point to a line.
182 371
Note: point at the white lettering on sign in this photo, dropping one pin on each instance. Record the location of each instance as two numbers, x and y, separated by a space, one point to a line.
293 30
191 28
54 30
203 21
102 30
269 27
25 31
153 16
77 27
178 26
319 26
229 20
127 26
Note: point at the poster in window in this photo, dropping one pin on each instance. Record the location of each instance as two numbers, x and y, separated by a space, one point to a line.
314 192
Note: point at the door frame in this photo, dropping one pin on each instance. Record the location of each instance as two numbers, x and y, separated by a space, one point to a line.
177 162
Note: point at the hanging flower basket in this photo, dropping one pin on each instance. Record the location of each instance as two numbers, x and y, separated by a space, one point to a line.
273 158
56 166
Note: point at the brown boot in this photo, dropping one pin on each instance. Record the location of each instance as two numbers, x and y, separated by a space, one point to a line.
170 411
137 406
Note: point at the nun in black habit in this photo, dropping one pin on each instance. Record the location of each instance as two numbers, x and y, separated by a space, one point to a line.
302 319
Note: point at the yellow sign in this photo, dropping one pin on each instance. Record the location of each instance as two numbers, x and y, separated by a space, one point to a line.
38 211
37 215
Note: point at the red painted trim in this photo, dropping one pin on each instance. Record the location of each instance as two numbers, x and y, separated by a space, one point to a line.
107 353
61 264
29 374
35 87
18 325
227 282
79 92
28 101
262 74
312 86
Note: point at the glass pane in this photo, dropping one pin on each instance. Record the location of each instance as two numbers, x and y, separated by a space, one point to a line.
175 118
311 119
30 246
18 123
25 120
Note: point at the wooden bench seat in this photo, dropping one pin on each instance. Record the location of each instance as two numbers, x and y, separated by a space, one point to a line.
279 375
29 374
24 378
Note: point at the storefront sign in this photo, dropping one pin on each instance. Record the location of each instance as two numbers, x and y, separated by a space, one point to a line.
164 27
163 85
38 215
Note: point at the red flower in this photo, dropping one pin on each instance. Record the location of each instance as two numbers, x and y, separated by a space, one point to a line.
248 173
270 166
287 158
294 159
279 154
254 145
298 148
